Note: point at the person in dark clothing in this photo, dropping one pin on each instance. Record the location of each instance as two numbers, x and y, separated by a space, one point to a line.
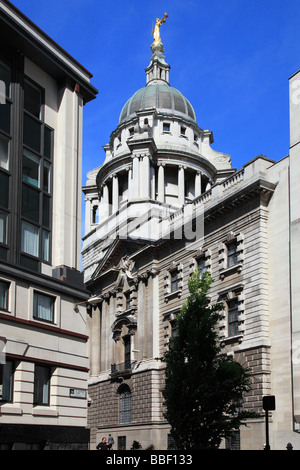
103 444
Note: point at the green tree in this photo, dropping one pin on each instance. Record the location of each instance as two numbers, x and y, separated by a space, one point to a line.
204 386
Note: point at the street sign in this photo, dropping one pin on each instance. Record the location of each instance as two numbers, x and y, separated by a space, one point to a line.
269 403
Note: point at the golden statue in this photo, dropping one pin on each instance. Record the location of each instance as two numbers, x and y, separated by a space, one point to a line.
156 32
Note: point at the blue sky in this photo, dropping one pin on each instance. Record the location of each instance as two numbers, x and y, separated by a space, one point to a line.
232 59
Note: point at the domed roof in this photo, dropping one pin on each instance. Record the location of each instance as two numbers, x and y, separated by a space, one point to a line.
160 95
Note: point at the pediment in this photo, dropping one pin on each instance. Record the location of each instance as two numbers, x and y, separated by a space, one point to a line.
118 257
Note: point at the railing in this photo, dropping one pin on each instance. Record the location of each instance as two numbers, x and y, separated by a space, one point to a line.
122 368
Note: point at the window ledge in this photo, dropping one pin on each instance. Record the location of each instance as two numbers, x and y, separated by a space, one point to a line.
10 409
44 411
171 295
228 271
232 339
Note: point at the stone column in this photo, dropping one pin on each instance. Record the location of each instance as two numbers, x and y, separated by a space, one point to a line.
104 205
161 183
135 177
198 183
115 193
129 184
88 211
95 334
180 185
145 176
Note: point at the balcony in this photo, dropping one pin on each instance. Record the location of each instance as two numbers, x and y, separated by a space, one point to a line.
121 370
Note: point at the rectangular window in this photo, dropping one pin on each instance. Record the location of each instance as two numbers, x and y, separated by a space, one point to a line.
36 177
43 307
232 254
46 177
32 99
233 317
6 381
46 246
42 376
30 239
4 289
4 189
4 152
174 280
166 127
5 77
31 168
48 142
127 352
201 265
3 227
32 133
121 442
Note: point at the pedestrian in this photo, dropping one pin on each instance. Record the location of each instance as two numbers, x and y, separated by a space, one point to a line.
110 441
103 444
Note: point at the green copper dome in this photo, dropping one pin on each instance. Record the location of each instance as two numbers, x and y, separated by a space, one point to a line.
161 96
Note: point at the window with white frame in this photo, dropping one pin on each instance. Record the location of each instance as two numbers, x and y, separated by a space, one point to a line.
43 307
4 290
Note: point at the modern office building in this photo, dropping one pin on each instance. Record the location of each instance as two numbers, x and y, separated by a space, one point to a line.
44 363
140 247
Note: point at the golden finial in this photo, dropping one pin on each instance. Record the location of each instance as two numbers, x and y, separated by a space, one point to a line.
156 31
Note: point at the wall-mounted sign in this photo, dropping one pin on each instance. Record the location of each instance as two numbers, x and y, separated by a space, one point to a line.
77 393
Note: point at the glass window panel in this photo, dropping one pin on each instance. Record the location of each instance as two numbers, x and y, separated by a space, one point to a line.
32 133
125 407
31 168
30 239
201 265
4 153
5 77
232 253
3 226
47 181
30 203
46 211
46 246
5 117
4 189
41 385
43 307
174 281
6 381
4 286
47 142
32 99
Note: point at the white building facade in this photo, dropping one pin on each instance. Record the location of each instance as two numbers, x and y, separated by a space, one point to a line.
44 363
163 203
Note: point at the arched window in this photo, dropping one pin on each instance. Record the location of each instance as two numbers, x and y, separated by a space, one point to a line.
125 404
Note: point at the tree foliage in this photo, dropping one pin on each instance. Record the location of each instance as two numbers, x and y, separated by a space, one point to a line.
204 386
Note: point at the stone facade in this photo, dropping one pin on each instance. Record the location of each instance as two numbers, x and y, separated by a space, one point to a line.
167 204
